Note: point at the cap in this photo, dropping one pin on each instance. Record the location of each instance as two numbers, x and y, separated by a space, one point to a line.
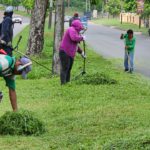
9 9
26 66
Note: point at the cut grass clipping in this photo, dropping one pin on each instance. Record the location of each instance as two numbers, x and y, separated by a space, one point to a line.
137 141
20 123
96 79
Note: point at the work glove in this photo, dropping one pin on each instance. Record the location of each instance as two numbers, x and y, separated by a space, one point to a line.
83 55
9 44
84 37
2 42
1 96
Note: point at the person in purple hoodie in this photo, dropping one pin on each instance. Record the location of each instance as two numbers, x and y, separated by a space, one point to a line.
68 48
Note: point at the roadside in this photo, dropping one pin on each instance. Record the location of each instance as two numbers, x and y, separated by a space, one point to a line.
106 42
115 23
81 115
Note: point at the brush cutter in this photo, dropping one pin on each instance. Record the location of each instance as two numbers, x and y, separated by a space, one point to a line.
17 51
84 63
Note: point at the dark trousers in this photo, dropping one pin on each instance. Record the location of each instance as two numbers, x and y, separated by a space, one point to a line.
66 66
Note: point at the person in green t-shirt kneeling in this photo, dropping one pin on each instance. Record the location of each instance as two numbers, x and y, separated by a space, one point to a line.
9 67
130 41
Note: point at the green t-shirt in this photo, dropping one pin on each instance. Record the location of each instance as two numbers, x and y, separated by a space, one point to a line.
6 67
130 43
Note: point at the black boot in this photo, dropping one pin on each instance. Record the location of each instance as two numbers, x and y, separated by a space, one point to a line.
126 70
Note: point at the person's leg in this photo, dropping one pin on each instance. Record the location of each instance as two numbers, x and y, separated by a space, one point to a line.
126 66
71 60
1 96
64 61
13 99
131 55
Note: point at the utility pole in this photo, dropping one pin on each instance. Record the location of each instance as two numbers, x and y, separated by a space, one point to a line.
89 5
50 14
68 3
86 5
121 3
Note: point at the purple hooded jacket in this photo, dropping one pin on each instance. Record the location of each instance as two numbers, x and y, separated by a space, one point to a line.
71 38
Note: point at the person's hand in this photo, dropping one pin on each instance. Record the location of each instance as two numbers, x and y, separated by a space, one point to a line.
84 37
126 47
9 44
2 42
121 37
83 55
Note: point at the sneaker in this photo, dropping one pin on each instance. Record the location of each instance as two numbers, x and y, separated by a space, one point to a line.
131 71
1 96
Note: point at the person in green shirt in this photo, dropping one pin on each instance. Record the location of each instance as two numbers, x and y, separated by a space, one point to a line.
130 41
9 67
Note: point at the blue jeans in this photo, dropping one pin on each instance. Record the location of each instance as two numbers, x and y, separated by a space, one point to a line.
128 60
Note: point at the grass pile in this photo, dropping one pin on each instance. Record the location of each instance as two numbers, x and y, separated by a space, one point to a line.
96 79
21 123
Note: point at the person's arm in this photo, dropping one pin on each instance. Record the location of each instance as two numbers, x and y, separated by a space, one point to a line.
75 36
10 83
123 36
70 22
79 50
13 99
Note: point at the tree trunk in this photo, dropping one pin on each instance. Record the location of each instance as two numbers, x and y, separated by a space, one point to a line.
59 29
36 37
50 14
68 3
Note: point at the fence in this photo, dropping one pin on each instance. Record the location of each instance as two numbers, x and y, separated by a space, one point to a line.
132 18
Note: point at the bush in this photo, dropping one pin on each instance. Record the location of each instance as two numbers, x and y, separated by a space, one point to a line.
20 123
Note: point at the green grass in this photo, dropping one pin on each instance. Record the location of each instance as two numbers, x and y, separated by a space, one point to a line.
125 26
22 13
82 116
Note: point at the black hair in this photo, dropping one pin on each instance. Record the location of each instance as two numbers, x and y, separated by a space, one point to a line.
10 14
130 31
76 14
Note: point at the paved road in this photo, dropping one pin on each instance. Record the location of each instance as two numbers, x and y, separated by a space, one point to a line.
19 27
105 41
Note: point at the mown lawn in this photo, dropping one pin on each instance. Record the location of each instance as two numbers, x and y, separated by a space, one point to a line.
124 26
82 116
